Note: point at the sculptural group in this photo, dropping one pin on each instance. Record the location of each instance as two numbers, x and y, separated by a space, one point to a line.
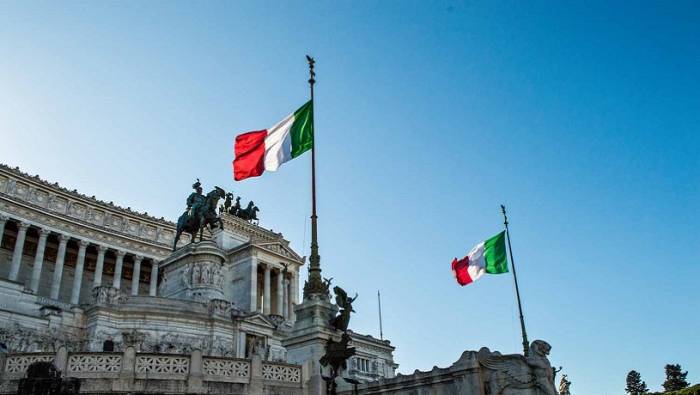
517 372
338 352
248 214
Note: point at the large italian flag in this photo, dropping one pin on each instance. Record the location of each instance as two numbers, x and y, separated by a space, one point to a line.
486 257
267 149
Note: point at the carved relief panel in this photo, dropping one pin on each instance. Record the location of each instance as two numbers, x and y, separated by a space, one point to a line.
58 204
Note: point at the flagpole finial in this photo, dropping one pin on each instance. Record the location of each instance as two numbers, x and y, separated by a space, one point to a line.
505 217
312 74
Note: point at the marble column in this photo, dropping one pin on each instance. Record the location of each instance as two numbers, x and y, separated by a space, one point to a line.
240 347
79 266
58 267
266 290
285 305
3 221
99 266
153 289
294 294
19 247
280 293
136 275
253 285
117 282
38 260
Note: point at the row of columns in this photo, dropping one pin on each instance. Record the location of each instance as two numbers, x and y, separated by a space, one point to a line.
79 267
285 297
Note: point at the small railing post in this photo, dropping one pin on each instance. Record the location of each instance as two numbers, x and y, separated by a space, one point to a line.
194 378
127 374
61 360
256 379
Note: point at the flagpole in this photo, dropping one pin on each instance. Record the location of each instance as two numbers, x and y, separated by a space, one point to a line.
379 301
526 344
314 285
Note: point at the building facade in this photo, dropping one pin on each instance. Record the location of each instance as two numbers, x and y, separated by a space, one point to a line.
83 280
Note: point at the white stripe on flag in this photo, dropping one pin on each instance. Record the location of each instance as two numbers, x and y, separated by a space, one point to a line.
278 144
477 263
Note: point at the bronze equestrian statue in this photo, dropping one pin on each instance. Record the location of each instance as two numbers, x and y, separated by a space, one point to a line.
200 213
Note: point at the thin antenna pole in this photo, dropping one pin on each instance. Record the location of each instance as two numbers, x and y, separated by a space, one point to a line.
379 300
526 344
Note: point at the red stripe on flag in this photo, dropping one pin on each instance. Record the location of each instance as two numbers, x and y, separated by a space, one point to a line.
250 155
459 269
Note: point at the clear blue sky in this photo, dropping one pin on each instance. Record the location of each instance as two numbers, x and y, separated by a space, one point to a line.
583 118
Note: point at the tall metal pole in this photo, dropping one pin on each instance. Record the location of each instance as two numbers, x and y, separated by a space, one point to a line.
314 285
379 300
526 344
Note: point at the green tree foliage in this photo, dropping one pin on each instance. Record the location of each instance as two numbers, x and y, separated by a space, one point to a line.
694 390
675 378
635 385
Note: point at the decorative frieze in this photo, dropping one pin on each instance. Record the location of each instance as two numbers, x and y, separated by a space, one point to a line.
104 296
17 338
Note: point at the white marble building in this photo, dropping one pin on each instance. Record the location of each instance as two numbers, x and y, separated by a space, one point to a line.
85 276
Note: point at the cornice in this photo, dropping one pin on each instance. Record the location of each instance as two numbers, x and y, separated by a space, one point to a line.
53 201
75 195
276 248
255 232
81 230
369 341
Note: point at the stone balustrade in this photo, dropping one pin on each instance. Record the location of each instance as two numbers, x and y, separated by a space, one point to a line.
281 372
159 373
226 369
94 365
16 364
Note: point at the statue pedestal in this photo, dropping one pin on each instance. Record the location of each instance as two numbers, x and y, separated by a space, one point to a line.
307 340
194 272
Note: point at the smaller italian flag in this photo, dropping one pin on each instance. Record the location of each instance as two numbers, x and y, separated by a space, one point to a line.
486 257
267 149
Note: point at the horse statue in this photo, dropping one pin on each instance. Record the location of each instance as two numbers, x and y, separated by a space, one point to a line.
236 207
249 213
227 204
201 214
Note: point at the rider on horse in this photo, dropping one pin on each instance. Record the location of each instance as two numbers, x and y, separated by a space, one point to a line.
195 201
200 213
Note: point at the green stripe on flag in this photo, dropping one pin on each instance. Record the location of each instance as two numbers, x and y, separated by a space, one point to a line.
495 254
302 131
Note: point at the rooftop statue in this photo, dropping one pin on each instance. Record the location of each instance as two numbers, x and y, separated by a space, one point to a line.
249 213
227 203
518 372
338 352
564 385
200 213
342 320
